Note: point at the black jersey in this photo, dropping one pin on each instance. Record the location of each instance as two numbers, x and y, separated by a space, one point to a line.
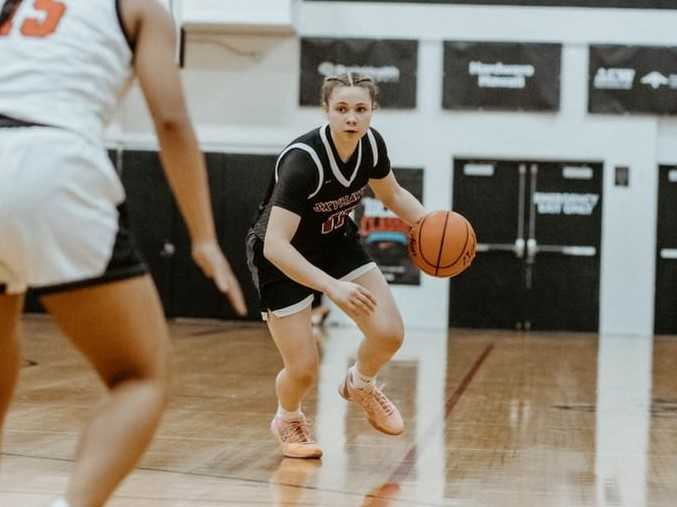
312 181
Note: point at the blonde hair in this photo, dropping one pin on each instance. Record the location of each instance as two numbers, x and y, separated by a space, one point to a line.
349 79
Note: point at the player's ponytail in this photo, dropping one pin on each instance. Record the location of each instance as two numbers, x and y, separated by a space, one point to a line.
8 10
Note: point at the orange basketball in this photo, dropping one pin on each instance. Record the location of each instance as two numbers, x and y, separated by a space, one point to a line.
442 244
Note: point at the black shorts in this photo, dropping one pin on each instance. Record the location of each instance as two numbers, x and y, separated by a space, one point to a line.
342 257
125 262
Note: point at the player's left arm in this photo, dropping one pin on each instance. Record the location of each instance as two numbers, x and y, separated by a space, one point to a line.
397 199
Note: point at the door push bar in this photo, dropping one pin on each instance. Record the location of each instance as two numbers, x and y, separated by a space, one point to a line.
517 247
668 253
575 251
531 248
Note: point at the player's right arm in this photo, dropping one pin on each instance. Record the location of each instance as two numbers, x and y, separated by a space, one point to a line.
295 183
151 28
352 298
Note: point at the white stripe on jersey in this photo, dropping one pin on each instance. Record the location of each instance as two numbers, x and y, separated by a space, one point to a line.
332 160
71 77
374 147
313 155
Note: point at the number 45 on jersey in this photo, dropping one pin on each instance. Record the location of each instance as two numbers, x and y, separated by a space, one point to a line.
43 26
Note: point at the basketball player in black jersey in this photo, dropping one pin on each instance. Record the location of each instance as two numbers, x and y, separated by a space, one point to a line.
304 240
113 316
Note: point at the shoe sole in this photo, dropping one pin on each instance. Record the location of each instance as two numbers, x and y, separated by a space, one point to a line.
315 455
345 394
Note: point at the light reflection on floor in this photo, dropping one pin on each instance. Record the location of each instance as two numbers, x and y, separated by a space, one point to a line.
493 419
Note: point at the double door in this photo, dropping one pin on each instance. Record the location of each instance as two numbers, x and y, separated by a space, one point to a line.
666 253
538 226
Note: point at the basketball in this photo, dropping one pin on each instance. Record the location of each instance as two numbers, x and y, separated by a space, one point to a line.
442 244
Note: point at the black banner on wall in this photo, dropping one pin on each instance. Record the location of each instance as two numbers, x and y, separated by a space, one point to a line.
501 76
624 4
385 236
392 63
632 79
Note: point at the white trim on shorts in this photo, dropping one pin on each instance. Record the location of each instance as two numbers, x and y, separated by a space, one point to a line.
356 273
306 302
290 310
11 286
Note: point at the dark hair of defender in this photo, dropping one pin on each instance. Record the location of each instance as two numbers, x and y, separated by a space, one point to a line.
8 10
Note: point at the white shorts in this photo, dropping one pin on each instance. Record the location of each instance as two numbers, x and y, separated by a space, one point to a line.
59 198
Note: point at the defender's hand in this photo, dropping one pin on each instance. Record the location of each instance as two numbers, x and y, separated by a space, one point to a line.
210 259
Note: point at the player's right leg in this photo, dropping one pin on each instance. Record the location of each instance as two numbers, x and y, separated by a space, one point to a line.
285 305
383 334
294 339
120 328
10 309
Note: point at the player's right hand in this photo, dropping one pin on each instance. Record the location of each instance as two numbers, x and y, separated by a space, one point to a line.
355 300
210 259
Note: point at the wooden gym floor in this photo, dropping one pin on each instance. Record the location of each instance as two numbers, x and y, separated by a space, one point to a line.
493 419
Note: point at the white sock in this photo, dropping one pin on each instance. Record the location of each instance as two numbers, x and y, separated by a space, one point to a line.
287 415
59 502
358 379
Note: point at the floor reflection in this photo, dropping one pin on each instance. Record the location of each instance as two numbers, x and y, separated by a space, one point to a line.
288 480
357 455
493 419
382 496
624 384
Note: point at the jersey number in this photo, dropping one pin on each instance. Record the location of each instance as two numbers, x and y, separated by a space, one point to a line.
336 221
35 27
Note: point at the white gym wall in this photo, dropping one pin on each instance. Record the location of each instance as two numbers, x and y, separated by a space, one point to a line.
243 90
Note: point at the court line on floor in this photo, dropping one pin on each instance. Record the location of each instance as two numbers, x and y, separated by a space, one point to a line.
401 472
206 475
409 460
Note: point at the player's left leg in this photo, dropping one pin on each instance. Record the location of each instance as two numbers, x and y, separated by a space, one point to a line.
120 328
293 337
383 335
10 309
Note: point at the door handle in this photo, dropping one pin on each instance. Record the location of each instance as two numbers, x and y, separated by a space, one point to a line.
517 247
521 211
574 251
668 253
532 245
532 249
168 250
495 247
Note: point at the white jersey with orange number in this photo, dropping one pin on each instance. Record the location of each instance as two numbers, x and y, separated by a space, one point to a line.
64 63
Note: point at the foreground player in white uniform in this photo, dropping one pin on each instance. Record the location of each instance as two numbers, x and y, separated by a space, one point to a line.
62 220
304 241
